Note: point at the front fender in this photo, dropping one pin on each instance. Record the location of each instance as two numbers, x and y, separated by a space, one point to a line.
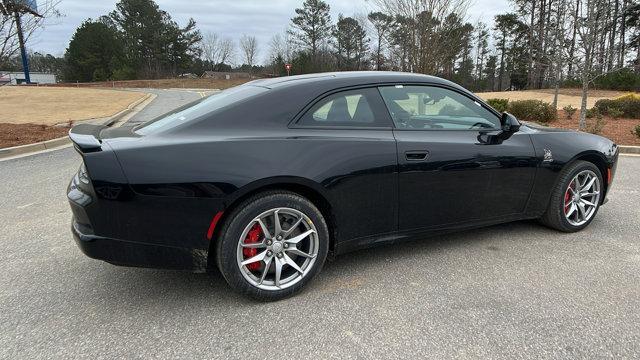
557 149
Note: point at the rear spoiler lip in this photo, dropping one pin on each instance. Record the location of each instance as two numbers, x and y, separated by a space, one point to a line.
85 137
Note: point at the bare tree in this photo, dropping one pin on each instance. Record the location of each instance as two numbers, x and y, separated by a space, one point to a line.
587 24
559 33
217 50
281 45
9 45
249 48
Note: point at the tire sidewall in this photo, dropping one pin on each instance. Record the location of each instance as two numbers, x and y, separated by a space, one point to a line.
239 219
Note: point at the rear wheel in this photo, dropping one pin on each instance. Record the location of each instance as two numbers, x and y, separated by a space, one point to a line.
272 245
576 198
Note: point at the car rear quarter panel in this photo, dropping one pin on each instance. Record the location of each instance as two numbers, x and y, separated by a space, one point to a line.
355 171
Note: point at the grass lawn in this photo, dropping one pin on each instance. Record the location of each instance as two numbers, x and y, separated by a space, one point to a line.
50 105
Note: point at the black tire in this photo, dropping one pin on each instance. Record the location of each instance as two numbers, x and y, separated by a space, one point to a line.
233 227
554 216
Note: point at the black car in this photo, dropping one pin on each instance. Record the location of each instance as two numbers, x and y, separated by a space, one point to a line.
267 179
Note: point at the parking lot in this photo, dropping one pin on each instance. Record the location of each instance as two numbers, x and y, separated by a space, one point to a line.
510 291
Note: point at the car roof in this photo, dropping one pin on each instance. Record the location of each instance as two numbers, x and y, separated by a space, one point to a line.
346 78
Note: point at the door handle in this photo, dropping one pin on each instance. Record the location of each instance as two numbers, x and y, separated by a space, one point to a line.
416 155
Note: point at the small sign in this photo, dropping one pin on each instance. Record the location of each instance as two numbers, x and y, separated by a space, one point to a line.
288 67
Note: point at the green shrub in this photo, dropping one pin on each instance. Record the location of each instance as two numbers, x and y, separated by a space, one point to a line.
636 131
605 105
500 105
624 106
569 111
630 105
593 113
616 113
533 110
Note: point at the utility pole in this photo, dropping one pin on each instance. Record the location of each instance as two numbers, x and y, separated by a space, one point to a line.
17 8
23 49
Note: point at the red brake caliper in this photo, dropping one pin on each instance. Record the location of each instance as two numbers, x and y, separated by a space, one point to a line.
253 236
567 198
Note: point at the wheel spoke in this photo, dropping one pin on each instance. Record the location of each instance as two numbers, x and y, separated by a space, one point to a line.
267 264
293 227
295 251
278 271
291 263
276 224
585 202
256 258
590 183
578 183
572 209
265 231
582 212
258 245
587 194
298 238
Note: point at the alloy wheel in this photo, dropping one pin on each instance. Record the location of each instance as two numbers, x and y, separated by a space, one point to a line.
581 198
277 249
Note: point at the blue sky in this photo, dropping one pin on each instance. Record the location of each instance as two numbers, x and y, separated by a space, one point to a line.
227 18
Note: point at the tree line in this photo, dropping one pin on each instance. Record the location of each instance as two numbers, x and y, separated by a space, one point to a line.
539 43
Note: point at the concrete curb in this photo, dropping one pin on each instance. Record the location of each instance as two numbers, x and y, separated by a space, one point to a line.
32 149
625 149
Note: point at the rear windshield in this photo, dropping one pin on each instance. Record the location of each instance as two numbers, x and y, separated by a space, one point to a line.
198 108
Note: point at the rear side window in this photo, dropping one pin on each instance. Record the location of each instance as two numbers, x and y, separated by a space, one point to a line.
353 108
199 108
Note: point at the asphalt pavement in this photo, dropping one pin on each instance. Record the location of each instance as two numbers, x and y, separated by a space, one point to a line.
511 291
166 100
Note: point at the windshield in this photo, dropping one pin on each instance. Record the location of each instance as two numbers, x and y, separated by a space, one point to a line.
198 108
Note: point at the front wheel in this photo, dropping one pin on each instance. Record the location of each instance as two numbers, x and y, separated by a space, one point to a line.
272 245
576 198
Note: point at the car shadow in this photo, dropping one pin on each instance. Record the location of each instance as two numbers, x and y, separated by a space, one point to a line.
144 286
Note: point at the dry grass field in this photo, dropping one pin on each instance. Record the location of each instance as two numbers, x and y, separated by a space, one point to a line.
50 105
566 96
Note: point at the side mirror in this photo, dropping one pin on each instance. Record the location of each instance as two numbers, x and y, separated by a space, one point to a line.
509 123
509 126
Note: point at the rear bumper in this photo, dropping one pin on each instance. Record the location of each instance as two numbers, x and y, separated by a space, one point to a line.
128 253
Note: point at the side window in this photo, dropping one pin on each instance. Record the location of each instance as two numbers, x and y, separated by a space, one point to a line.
431 107
356 108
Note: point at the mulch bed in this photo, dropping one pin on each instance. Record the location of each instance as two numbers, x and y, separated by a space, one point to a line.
22 134
618 130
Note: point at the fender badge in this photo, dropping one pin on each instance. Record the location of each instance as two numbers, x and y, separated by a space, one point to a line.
548 156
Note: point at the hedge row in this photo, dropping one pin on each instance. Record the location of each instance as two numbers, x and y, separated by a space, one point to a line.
527 110
627 106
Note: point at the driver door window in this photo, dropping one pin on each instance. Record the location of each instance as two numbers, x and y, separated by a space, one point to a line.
436 108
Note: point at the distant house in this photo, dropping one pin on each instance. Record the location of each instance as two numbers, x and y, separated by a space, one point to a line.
17 78
222 75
